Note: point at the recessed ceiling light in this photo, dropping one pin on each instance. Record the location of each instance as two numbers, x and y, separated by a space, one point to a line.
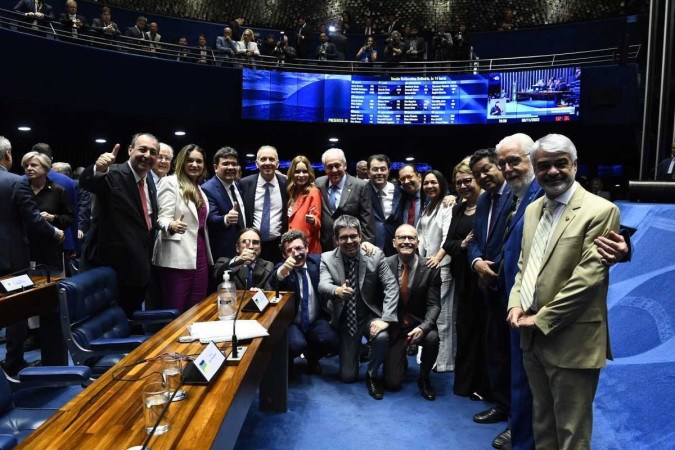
410 158
250 155
100 141
24 128
179 133
333 139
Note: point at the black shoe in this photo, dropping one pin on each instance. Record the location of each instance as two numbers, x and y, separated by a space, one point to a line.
375 388
426 389
313 367
492 415
476 397
502 439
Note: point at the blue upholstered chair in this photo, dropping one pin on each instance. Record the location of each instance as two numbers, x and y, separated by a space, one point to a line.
96 329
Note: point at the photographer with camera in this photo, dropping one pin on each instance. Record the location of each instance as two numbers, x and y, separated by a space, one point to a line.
367 53
393 51
442 44
415 46
282 51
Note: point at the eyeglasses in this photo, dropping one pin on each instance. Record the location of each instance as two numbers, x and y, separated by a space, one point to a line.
464 182
406 238
164 158
347 238
250 241
511 161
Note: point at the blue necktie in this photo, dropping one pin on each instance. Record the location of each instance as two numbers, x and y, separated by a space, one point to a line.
304 308
332 198
249 277
265 221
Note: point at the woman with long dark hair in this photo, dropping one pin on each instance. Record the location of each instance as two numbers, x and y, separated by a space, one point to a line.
304 202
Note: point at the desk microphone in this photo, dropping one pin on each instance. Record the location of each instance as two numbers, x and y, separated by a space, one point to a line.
234 356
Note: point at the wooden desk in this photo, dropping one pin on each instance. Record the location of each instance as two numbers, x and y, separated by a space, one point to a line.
109 414
41 300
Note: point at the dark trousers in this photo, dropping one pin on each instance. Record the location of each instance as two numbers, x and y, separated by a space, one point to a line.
498 350
522 437
130 298
350 346
395 362
16 334
319 340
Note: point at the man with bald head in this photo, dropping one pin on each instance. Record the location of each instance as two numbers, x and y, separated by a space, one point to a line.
163 165
124 217
362 170
342 194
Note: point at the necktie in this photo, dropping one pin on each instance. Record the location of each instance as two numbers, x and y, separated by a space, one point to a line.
249 277
541 237
240 222
404 284
144 202
333 198
411 210
304 309
352 276
381 194
493 212
265 221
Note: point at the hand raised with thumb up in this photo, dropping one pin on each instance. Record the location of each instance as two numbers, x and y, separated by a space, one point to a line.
232 217
107 159
178 226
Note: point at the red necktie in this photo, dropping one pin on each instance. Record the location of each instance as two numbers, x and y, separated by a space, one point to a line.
144 202
411 211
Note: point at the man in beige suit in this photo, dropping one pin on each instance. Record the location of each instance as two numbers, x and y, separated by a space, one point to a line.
559 297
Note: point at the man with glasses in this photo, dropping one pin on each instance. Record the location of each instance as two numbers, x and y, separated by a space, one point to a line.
163 165
227 214
361 295
386 202
419 307
247 269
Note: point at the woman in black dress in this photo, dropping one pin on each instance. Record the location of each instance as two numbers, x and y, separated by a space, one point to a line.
470 369
54 206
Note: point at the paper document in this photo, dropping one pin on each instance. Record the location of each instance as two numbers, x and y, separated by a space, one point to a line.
246 329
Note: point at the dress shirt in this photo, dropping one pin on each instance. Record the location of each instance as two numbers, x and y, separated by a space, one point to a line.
671 166
312 301
238 200
521 193
563 199
276 210
338 193
137 177
386 195
411 274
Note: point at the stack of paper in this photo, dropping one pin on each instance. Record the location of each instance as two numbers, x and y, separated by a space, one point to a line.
222 330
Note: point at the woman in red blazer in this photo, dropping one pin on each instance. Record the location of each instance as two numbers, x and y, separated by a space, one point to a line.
304 202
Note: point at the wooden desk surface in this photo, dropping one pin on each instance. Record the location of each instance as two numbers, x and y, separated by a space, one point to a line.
109 414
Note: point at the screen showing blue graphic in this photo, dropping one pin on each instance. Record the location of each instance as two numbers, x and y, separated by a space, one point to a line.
546 95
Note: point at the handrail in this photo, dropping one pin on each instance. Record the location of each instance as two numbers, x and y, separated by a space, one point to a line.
14 21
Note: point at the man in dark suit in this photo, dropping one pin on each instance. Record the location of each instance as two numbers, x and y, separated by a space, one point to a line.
71 21
326 51
343 194
361 295
492 210
559 298
266 201
19 216
302 38
227 213
124 217
36 12
415 47
104 26
666 168
247 269
418 308
386 203
138 30
309 334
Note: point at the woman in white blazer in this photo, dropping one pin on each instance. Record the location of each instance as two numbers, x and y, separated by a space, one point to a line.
432 229
247 46
182 252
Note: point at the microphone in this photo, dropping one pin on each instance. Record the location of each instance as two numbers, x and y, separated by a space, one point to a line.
235 342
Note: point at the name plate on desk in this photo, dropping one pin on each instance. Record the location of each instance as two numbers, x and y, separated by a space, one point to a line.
258 303
16 283
203 369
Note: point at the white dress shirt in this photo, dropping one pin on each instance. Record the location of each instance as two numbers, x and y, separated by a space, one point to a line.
276 209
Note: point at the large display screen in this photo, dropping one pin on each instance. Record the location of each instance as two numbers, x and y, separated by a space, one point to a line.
546 95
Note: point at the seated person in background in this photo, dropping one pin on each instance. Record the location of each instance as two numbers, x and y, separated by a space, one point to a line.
246 269
418 308
204 53
71 21
138 30
247 46
153 36
326 50
105 26
36 11
539 85
309 334
226 47
367 53
595 188
184 52
496 109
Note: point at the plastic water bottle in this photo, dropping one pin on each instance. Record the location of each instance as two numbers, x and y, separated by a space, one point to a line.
227 298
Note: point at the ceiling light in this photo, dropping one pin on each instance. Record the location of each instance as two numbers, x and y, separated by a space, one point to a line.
179 133
333 139
24 128
410 158
100 141
250 155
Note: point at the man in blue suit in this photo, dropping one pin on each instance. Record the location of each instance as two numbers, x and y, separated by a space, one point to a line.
227 215
492 209
387 204
19 215
309 333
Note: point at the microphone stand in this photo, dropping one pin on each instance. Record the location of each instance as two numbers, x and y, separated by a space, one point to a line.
234 355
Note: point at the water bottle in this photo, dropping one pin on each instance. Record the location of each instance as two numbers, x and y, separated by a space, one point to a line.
227 298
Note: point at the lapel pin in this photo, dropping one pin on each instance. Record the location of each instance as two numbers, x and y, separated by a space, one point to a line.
567 218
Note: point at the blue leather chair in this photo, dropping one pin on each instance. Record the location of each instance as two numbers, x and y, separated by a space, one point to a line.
96 329
40 392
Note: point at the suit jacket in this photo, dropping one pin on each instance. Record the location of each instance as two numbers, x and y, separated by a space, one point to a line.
252 46
421 47
67 23
134 32
44 249
28 6
571 289
178 251
432 236
385 227
68 184
330 53
222 237
489 247
378 288
119 236
20 215
355 200
261 273
248 185
424 295
290 283
662 171
296 221
229 48
97 25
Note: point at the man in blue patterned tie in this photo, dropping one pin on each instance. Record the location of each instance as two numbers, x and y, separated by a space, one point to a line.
361 295
309 334
248 269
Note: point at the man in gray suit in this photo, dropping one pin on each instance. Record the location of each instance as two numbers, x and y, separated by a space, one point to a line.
342 194
361 295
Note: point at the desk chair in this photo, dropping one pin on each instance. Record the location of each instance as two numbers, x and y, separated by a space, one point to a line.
96 329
